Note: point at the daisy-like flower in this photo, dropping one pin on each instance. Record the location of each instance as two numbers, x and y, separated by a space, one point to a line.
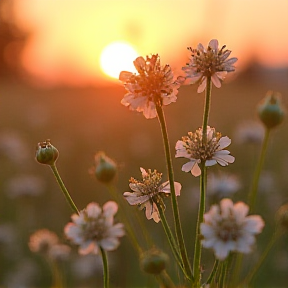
193 148
211 62
148 193
153 85
228 228
94 227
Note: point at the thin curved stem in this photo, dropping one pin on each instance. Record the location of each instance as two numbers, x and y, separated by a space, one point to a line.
175 209
64 189
105 268
254 189
213 272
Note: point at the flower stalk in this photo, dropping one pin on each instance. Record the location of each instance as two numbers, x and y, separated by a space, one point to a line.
105 268
176 215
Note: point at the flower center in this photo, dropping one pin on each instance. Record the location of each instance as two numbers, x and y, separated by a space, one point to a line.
95 229
228 230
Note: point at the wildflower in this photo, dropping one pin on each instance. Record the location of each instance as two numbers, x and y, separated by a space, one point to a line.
210 153
270 110
210 62
228 228
148 193
153 86
42 241
105 168
94 227
46 153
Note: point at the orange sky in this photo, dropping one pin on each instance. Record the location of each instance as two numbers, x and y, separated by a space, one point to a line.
67 36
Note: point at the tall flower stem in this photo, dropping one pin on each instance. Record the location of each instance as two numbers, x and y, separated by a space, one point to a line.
64 189
171 239
256 267
213 272
105 268
206 108
254 189
198 247
176 215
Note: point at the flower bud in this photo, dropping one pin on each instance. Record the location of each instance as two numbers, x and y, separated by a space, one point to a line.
46 153
105 168
154 261
282 216
271 111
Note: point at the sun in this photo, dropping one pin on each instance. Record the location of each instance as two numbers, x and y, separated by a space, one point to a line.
117 57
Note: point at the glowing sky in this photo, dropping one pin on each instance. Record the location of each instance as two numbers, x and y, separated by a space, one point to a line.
66 37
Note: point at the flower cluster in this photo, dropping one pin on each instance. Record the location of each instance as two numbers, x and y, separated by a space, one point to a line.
152 86
228 228
94 227
211 62
148 193
210 153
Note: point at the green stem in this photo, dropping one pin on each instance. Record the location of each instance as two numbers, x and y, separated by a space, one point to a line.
171 239
165 280
57 275
198 246
256 267
213 272
223 274
105 268
254 189
176 215
206 109
63 188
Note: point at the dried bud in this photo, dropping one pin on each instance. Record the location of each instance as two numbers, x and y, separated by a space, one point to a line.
105 168
271 111
46 153
154 261
282 216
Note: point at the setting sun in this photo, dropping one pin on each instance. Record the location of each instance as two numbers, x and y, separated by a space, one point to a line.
117 57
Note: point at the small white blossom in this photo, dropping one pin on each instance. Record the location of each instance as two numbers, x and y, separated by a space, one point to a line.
228 228
94 227
211 152
149 192
153 85
211 62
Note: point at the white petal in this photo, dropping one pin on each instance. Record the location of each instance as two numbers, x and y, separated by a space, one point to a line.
188 166
93 210
224 142
109 244
210 162
139 63
110 208
226 207
202 85
216 80
240 212
221 74
214 44
149 111
254 224
143 172
222 249
125 76
134 199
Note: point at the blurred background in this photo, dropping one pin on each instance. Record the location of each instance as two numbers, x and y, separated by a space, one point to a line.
59 64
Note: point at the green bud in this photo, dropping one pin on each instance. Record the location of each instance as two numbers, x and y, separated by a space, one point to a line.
46 153
271 111
154 261
105 168
282 216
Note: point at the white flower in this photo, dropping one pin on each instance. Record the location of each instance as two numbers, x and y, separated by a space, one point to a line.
148 193
193 148
42 241
94 227
228 228
211 62
154 85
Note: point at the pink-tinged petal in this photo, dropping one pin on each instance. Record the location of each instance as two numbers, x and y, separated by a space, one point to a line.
188 166
149 111
93 210
87 248
134 199
254 224
117 230
125 76
202 85
243 244
201 47
110 208
223 159
165 188
240 211
231 61
196 171
156 217
138 103
221 74
143 172
216 81
109 244
224 142
226 207
178 187
195 78
214 44
211 162
139 64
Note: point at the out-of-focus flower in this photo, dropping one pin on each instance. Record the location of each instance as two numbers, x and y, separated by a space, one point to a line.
250 132
211 62
228 228
149 192
24 185
222 185
59 252
211 152
94 227
270 110
154 85
42 241
46 153
105 168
